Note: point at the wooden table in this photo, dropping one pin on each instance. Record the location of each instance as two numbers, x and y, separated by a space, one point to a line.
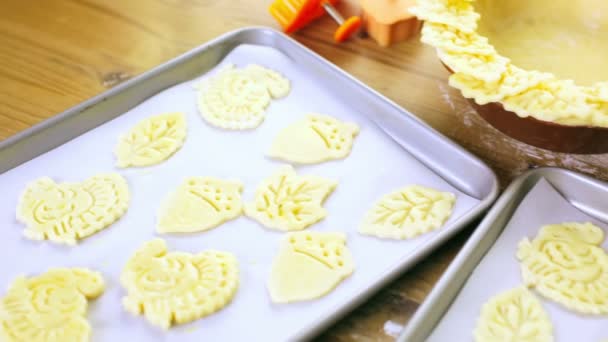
57 53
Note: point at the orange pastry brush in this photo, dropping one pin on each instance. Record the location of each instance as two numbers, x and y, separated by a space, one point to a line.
292 15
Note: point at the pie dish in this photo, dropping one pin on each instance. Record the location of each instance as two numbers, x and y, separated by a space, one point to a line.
535 70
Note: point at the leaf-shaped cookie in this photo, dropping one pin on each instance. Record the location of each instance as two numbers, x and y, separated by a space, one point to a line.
237 98
178 287
49 307
514 315
286 201
309 265
408 212
566 264
200 203
66 212
315 139
152 140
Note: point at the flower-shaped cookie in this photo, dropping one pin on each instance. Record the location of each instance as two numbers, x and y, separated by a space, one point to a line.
49 307
178 287
286 201
309 265
315 139
566 264
200 203
237 98
408 212
514 315
152 140
67 212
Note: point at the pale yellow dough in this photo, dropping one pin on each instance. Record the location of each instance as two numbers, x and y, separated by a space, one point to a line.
515 315
200 203
315 139
67 212
309 265
237 98
178 287
50 307
566 264
543 58
408 212
288 202
151 141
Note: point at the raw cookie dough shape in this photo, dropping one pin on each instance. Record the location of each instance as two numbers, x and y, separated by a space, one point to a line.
178 287
309 265
200 203
49 307
288 202
408 212
151 141
514 315
315 139
566 264
67 212
237 98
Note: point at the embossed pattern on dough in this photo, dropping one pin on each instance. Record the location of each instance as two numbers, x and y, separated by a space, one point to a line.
178 287
309 265
566 264
151 141
237 98
50 307
514 315
315 139
288 202
408 212
67 212
484 75
200 203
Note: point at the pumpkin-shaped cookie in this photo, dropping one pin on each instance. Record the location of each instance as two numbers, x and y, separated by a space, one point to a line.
67 212
309 265
200 203
50 307
178 287
566 264
315 139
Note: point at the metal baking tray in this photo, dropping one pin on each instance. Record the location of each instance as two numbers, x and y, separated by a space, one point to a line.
586 197
393 149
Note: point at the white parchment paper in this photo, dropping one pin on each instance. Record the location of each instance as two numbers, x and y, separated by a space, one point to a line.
499 271
376 166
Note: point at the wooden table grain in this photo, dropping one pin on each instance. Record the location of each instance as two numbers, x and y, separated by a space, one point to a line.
57 53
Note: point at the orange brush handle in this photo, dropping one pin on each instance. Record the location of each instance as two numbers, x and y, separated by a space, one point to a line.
292 15
350 26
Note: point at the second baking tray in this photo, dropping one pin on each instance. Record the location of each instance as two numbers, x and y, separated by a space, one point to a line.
487 265
394 149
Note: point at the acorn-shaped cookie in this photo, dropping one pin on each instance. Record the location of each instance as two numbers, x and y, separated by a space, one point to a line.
200 203
566 264
309 265
315 139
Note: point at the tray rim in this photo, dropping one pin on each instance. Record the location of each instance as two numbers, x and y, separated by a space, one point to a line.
391 274
442 295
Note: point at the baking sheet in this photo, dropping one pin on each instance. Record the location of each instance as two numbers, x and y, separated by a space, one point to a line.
376 166
499 271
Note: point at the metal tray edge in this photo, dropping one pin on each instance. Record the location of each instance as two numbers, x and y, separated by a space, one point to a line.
453 279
